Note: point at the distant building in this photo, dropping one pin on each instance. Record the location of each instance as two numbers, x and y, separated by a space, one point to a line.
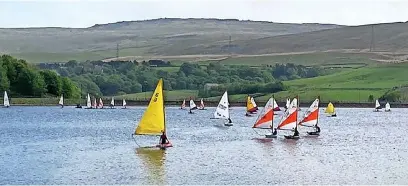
208 86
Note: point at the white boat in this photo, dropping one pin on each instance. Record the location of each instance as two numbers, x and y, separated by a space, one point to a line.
311 118
265 118
201 107
100 105
112 103
377 107
193 106
88 102
124 103
387 107
222 111
61 101
6 102
183 105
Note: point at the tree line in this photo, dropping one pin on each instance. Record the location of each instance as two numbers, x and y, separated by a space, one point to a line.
124 77
21 79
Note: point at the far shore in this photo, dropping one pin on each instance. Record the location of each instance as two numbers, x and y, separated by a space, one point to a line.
118 104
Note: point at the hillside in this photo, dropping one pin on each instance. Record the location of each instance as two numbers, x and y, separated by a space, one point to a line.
153 37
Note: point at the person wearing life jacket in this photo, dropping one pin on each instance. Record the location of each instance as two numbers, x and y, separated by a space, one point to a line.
275 132
163 139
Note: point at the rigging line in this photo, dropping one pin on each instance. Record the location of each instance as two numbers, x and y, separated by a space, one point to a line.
133 136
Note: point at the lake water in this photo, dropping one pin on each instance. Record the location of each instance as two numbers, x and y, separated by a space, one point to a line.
49 145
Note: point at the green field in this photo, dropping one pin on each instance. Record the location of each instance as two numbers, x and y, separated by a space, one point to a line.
174 95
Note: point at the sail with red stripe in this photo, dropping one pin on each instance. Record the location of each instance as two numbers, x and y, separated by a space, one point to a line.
311 116
265 119
289 120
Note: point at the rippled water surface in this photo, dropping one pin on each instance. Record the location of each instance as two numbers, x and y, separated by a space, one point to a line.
49 145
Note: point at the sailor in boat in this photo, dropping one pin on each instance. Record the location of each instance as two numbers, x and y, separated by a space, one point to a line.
190 112
275 132
296 134
163 139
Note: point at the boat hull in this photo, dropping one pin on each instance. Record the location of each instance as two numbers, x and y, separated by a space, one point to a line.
292 137
164 146
271 136
313 133
228 124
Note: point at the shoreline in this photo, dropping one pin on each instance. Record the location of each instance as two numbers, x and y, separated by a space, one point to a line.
232 104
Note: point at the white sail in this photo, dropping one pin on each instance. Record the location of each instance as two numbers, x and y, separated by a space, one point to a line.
387 107
88 101
275 105
253 102
310 118
124 103
112 103
100 103
264 121
288 121
377 104
192 104
222 109
287 103
6 101
61 101
201 104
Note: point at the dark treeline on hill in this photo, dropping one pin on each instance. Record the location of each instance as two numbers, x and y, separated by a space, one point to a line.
24 80
120 77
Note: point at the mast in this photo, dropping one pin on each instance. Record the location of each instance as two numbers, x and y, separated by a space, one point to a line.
273 106
164 109
297 112
318 110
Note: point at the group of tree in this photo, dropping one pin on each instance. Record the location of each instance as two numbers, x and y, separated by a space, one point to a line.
123 77
21 79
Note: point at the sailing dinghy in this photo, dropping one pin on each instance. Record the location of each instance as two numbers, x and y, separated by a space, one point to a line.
193 106
123 103
330 110
377 106
183 105
289 120
88 102
112 103
100 105
201 107
250 107
222 111
311 118
387 107
95 105
61 101
265 119
254 104
6 102
153 121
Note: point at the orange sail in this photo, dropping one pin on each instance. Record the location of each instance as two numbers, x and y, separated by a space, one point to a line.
312 115
265 119
250 106
289 120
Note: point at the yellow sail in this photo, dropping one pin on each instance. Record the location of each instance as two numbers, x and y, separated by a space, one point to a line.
152 122
330 108
250 105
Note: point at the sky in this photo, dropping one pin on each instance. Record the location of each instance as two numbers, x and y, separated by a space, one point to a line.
85 13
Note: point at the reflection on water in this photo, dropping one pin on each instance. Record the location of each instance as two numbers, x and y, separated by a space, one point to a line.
153 159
